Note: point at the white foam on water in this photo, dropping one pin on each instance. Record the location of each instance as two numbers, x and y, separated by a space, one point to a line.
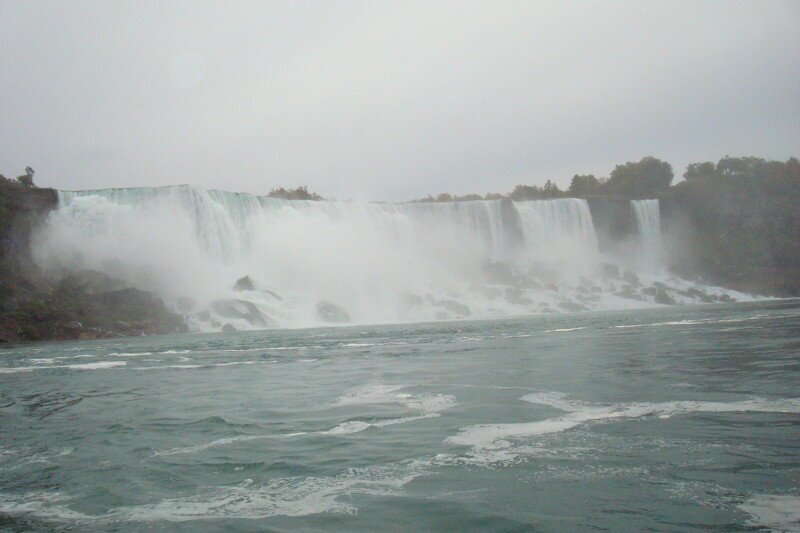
291 496
42 361
41 504
375 394
130 354
213 444
776 512
166 367
87 366
698 321
176 351
356 426
488 440
357 344
96 366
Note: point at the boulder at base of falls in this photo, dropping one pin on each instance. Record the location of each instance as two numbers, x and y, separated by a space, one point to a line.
453 306
228 328
242 310
663 297
244 284
330 312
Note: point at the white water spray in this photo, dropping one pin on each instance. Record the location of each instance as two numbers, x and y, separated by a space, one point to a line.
378 262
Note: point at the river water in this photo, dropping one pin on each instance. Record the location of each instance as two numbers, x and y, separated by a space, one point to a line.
669 419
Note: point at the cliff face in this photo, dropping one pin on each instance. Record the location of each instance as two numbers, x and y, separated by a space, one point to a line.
21 210
613 220
82 305
748 239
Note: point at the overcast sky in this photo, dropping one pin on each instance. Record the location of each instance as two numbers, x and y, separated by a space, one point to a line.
389 100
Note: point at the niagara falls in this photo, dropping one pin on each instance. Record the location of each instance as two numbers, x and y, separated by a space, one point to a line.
399 266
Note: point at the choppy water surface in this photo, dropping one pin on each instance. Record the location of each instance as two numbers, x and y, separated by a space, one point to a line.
683 418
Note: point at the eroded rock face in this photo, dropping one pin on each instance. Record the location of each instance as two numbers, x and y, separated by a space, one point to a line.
332 313
244 284
242 310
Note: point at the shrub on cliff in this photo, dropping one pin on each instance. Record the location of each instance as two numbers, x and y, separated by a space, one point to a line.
300 193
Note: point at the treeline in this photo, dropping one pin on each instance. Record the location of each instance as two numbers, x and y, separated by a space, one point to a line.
651 178
25 179
300 193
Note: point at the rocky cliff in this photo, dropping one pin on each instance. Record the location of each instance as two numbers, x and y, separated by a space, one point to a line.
82 305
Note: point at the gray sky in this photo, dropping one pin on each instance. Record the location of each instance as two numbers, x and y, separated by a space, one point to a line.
389 100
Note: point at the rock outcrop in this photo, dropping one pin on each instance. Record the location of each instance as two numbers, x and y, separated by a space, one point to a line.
332 313
78 305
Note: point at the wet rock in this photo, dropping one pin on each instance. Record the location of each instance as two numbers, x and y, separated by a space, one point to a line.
453 306
662 297
697 294
244 284
243 310
95 282
330 312
629 292
726 298
228 328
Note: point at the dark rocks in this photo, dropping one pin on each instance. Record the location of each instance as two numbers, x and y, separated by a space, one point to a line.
698 294
244 284
662 297
629 292
453 306
332 313
242 310
228 328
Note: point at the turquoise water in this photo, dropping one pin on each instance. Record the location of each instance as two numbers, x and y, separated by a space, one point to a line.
671 419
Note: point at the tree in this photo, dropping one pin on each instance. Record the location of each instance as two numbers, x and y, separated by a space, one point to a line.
700 170
27 178
300 193
647 178
581 186
525 192
551 190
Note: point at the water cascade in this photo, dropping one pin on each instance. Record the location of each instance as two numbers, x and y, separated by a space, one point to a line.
648 228
310 263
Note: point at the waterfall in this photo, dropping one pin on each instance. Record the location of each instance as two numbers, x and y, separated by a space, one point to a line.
381 262
648 230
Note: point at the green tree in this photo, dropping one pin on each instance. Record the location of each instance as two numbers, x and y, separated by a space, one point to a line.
525 192
700 170
27 178
582 186
647 178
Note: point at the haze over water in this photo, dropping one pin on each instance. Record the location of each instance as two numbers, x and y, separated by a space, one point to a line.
678 418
